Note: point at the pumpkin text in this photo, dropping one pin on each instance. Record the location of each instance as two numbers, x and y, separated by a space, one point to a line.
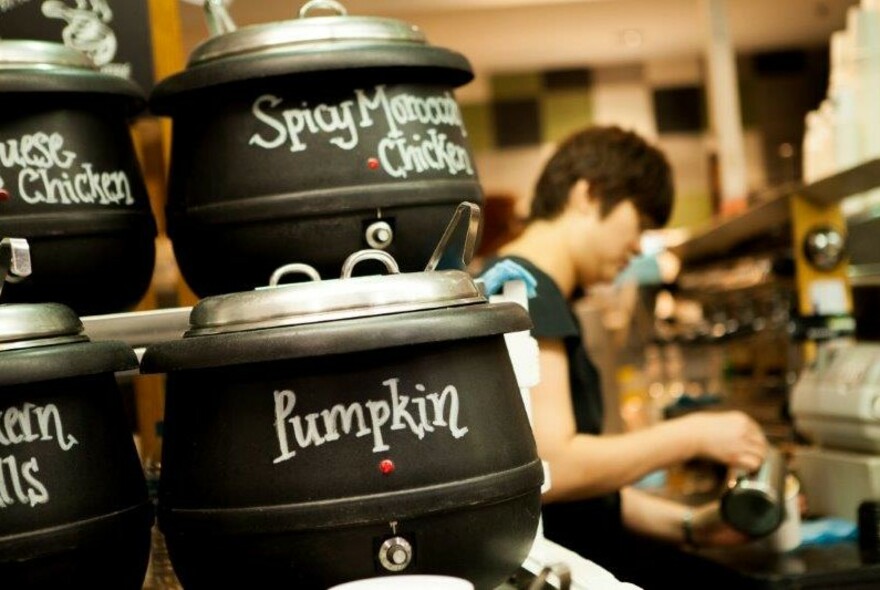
419 415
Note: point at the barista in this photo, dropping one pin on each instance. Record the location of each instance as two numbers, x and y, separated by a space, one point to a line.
600 189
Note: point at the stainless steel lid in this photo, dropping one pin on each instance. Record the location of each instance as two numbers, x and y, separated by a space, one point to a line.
337 299
52 68
42 55
28 325
306 34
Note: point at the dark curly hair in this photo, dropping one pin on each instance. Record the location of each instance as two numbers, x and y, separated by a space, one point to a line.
618 164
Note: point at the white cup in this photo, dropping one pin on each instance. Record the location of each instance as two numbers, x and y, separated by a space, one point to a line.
788 535
405 582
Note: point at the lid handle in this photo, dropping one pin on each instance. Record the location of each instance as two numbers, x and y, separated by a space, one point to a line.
331 5
361 255
218 19
470 242
296 267
15 260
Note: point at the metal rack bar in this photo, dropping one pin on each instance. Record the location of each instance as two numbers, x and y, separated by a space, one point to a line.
139 329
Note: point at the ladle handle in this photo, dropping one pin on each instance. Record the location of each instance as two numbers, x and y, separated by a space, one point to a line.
15 260
218 19
470 242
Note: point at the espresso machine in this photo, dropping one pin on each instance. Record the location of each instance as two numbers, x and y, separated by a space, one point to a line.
836 405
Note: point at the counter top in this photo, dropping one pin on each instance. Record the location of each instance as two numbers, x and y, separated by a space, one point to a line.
754 567
811 567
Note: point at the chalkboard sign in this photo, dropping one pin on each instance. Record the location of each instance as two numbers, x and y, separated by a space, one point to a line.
114 33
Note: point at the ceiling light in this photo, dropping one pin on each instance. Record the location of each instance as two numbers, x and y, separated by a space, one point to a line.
630 38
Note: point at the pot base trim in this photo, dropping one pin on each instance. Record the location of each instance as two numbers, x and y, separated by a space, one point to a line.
359 510
325 202
113 548
484 544
78 223
58 538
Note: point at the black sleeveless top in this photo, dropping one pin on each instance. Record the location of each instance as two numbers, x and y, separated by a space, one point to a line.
594 527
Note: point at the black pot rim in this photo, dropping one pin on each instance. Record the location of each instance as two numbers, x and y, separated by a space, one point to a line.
47 363
339 337
445 67
59 81
358 510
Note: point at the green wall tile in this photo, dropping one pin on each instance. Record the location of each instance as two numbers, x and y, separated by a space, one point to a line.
680 109
567 79
564 112
520 85
691 209
480 125
517 122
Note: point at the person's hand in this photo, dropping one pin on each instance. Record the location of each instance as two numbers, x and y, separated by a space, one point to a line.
732 438
710 530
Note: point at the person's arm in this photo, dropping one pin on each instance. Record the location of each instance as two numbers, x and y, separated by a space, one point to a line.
664 519
584 465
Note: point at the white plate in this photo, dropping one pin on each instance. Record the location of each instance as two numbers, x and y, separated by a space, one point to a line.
407 583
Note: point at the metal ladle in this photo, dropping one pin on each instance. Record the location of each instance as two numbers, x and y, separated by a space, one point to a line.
15 260
470 242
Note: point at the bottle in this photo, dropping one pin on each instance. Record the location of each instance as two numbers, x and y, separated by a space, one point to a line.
160 573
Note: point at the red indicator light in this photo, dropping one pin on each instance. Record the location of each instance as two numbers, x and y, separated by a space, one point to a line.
386 466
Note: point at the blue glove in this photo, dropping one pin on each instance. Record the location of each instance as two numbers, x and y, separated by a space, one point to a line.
642 270
507 270
825 531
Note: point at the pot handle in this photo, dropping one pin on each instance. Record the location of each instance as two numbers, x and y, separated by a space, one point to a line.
470 242
218 19
333 5
361 255
296 267
15 260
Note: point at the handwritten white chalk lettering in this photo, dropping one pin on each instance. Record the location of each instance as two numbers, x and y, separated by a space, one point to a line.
87 29
428 148
403 108
18 484
32 423
6 5
322 118
28 424
399 157
118 70
36 150
89 187
47 174
358 419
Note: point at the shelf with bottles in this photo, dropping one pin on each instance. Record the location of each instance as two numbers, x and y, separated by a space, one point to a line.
702 317
767 222
741 276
